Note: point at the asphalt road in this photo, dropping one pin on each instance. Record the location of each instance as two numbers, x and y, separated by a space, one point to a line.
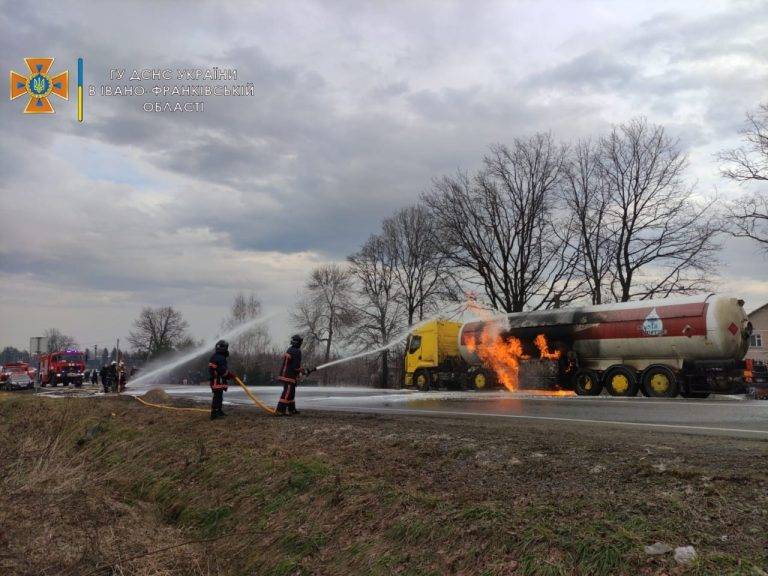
717 415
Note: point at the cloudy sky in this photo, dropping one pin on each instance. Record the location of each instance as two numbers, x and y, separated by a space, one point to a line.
357 105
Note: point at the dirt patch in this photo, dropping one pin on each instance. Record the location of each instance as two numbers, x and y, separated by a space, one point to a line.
106 486
156 396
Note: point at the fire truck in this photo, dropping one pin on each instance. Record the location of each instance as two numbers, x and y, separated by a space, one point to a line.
63 367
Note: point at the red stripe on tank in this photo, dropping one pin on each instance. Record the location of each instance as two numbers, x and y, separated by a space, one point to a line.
676 320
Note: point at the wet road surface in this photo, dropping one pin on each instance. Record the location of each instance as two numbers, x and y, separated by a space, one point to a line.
717 415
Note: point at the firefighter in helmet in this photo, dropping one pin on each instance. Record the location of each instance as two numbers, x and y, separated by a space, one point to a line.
290 370
121 377
220 375
104 375
109 378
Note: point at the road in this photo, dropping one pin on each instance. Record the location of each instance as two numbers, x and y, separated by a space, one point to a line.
718 415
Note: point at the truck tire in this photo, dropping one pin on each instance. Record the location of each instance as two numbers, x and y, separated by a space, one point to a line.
422 380
660 382
587 383
620 381
481 380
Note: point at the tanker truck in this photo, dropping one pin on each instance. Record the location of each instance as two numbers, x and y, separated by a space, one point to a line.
689 346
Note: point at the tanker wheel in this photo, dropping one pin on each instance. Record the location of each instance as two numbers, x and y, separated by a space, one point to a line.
620 381
587 383
660 382
481 380
422 379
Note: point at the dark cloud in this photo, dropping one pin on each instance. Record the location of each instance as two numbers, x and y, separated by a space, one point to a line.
595 71
356 108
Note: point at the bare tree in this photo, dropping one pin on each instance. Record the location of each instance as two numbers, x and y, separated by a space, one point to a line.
254 343
420 267
747 164
749 218
588 198
378 305
325 311
664 242
502 226
57 340
158 330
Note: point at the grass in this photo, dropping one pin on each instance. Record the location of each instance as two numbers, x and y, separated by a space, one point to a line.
110 487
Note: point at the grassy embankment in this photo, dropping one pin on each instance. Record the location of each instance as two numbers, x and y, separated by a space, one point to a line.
106 486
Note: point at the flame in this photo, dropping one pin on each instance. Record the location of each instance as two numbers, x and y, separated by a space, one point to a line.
541 343
503 355
500 354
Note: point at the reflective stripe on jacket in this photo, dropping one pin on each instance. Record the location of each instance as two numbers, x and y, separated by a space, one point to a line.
291 365
217 369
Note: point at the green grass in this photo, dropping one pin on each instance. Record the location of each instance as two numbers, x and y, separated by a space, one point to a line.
327 506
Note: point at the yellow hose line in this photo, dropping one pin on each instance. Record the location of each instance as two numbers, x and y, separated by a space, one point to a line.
255 400
252 397
178 409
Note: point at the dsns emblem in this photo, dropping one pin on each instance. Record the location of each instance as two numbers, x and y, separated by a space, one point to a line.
39 85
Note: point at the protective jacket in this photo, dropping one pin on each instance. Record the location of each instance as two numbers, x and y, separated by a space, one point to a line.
219 373
291 366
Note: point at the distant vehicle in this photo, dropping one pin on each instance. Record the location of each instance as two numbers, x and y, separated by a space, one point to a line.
690 346
64 367
16 375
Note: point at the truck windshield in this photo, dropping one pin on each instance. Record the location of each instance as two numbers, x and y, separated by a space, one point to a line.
414 344
70 358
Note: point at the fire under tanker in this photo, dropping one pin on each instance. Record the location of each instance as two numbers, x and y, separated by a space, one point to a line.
691 346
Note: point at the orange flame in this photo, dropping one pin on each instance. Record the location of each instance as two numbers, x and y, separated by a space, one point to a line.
503 355
541 343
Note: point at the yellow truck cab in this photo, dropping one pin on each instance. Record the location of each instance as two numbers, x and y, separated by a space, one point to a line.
432 354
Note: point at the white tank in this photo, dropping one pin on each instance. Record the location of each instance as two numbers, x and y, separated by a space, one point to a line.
637 334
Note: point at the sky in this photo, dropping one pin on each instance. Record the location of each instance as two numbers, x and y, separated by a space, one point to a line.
356 107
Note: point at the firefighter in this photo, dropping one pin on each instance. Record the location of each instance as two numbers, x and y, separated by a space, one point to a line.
94 377
108 375
121 377
112 376
103 377
217 368
290 370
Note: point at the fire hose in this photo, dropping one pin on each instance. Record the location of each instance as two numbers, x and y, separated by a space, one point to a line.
255 400
250 395
176 408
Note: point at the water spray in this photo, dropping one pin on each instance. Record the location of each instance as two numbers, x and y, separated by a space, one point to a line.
399 337
207 346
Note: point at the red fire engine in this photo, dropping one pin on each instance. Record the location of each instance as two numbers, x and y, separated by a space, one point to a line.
65 367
